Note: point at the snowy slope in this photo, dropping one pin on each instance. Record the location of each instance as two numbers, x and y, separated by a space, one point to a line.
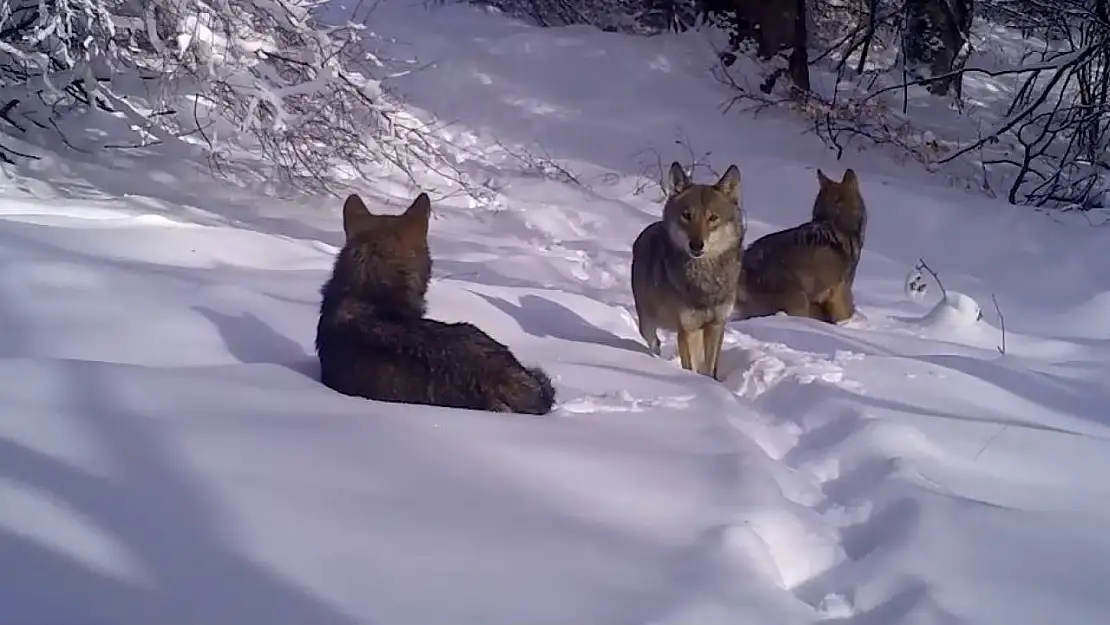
167 456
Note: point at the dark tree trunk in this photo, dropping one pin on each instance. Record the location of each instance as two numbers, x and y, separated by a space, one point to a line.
775 26
934 38
799 56
769 23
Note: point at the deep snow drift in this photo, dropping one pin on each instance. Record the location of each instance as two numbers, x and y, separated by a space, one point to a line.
166 454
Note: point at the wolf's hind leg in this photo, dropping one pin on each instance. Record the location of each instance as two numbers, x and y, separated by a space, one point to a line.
650 332
840 305
795 303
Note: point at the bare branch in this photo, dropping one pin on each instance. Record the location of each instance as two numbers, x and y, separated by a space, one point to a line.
923 266
1001 323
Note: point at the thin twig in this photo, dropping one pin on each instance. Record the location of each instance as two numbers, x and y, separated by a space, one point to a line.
922 265
990 441
1001 324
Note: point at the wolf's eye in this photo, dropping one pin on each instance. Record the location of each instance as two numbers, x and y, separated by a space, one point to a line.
713 218
686 215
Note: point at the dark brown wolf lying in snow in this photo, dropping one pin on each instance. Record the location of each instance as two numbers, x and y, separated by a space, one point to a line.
374 342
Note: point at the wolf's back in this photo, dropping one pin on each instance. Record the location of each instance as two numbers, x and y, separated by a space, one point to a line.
649 257
793 244
423 361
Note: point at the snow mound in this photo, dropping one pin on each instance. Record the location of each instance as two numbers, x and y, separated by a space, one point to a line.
954 312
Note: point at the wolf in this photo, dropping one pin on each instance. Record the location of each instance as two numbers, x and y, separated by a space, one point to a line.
685 268
373 340
809 270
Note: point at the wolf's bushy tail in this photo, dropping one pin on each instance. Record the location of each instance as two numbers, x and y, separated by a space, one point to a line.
544 397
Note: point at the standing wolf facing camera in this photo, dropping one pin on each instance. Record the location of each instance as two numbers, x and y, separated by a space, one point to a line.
373 340
809 270
685 268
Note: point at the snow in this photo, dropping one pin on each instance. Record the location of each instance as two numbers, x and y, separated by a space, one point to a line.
167 455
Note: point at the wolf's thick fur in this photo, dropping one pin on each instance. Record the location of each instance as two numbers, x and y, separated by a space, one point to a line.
374 342
809 270
685 268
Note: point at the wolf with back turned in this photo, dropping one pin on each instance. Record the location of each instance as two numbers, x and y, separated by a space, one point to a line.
685 268
809 270
373 340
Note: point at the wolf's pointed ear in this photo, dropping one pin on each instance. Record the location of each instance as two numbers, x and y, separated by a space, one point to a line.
356 217
851 180
729 184
822 179
419 212
678 179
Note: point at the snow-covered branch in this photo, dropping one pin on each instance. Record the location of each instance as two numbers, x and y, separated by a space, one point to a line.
259 77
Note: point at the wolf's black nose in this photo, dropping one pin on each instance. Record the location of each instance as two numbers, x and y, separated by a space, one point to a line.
697 247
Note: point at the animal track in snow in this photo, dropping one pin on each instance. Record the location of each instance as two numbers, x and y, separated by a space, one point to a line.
799 552
817 557
751 367
621 401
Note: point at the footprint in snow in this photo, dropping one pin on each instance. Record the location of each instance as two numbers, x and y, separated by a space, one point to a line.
622 401
755 367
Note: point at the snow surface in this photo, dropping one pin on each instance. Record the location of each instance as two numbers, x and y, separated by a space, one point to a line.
167 455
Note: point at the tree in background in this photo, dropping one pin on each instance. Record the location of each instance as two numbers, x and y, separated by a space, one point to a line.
272 81
1049 146
264 78
935 37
